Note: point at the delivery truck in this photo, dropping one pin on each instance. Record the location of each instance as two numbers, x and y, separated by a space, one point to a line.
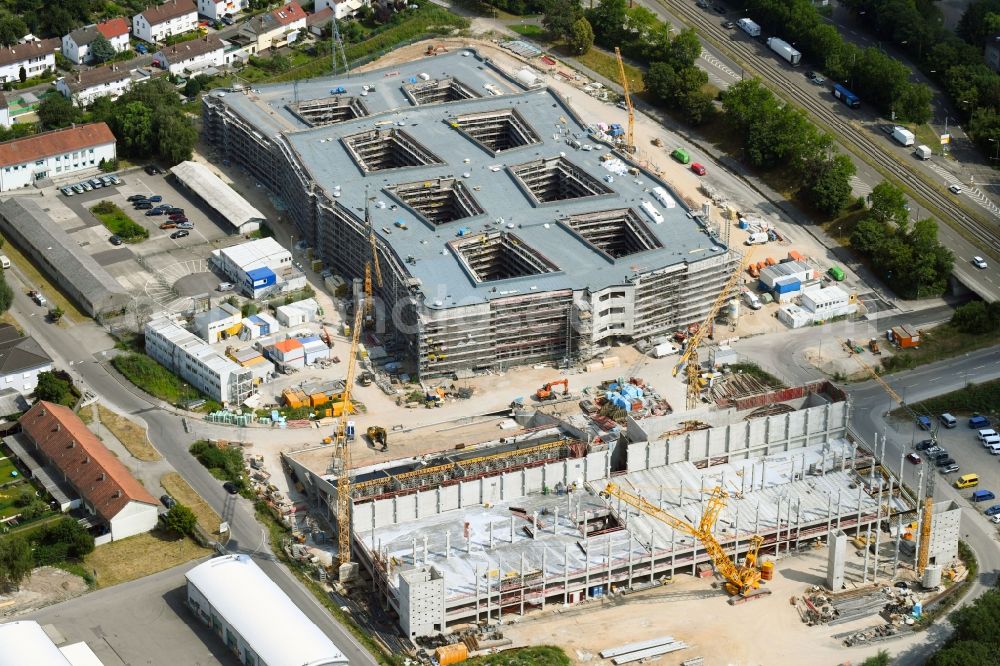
785 50
903 136
923 152
749 27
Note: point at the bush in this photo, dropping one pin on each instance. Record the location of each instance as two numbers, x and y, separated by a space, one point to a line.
62 540
977 317
153 378
118 223
180 519
56 386
224 463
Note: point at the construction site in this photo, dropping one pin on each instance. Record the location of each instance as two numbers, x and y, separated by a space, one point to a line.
503 228
570 509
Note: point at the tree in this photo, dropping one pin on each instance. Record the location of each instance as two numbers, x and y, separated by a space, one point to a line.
608 21
881 659
12 29
22 74
63 540
176 137
888 204
133 127
581 36
685 49
828 184
180 519
101 49
977 317
192 87
6 294
16 561
53 388
57 111
559 17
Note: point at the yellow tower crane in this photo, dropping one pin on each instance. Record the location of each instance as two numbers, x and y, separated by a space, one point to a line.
742 579
690 355
630 130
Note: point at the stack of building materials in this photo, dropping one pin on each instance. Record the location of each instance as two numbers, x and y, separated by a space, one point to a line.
643 650
287 353
298 313
314 349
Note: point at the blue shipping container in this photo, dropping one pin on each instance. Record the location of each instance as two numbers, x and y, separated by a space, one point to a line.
787 285
597 591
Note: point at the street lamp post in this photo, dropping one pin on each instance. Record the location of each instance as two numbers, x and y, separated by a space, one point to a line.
996 152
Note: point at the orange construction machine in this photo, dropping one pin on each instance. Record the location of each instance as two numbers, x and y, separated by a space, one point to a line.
546 392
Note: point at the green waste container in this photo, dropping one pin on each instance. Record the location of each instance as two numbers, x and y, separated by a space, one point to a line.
681 156
836 272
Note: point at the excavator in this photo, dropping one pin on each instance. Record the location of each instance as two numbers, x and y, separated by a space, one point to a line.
741 579
378 437
546 392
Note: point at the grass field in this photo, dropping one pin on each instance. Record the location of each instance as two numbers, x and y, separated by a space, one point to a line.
129 433
973 399
118 223
179 489
38 281
937 344
606 65
153 378
542 655
530 30
139 556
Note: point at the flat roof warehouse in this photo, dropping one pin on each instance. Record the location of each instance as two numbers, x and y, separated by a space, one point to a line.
516 188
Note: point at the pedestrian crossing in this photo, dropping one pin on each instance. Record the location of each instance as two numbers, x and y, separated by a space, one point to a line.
860 188
973 192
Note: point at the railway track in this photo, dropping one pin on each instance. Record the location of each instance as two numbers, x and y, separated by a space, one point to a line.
986 235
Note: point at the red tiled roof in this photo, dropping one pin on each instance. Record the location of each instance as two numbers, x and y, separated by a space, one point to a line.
101 479
36 49
31 148
288 14
116 27
168 10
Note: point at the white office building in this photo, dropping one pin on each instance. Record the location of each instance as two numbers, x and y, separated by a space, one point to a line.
215 324
53 154
173 17
254 618
828 302
259 268
195 362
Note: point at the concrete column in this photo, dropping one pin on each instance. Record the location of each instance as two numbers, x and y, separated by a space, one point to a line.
878 533
860 490
798 522
788 526
608 560
425 550
753 477
534 524
868 539
899 538
477 593
829 511
628 544
491 535
447 545
499 591
414 551
839 512
545 574
736 531
521 574
586 569
763 474
512 529
566 576
555 520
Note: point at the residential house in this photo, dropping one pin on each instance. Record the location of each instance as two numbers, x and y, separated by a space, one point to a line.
32 58
5 117
174 17
217 9
86 86
276 28
76 45
342 8
51 154
317 21
21 359
107 491
192 56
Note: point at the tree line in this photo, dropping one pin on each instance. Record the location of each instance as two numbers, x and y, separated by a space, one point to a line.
64 540
954 61
907 255
147 121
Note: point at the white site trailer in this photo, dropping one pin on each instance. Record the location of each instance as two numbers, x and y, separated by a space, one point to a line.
749 27
785 50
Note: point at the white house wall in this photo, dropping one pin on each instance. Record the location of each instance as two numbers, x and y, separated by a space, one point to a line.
134 518
23 382
17 176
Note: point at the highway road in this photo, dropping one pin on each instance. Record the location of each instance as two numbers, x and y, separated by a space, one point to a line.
81 349
727 52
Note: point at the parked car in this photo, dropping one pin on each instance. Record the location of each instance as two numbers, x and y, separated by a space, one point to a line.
945 462
230 487
979 263
115 180
96 183
152 169
172 216
175 210
698 169
37 298
116 240
168 225
924 445
955 189
815 78
914 458
168 501
993 510
179 220
136 197
155 198
154 211
185 225
143 205
180 234
729 25
107 181
77 188
86 187
67 191
949 469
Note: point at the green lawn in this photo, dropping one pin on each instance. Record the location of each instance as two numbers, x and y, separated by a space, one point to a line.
530 30
973 399
529 656
153 378
937 344
606 65
118 223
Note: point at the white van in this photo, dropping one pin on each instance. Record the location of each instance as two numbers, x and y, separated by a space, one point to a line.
751 300
986 432
4 262
993 444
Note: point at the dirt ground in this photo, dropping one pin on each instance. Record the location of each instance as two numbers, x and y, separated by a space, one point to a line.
47 586
765 631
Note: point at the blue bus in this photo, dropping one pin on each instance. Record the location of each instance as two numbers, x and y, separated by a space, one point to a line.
846 96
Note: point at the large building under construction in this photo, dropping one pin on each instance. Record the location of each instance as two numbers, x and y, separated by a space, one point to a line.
506 231
510 525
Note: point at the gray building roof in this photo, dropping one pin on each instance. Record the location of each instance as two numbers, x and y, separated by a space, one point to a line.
391 103
236 210
25 223
19 354
85 35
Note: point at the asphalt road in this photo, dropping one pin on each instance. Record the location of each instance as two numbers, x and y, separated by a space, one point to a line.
80 349
870 404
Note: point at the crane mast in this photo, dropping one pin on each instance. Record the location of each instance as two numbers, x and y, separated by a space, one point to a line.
630 130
